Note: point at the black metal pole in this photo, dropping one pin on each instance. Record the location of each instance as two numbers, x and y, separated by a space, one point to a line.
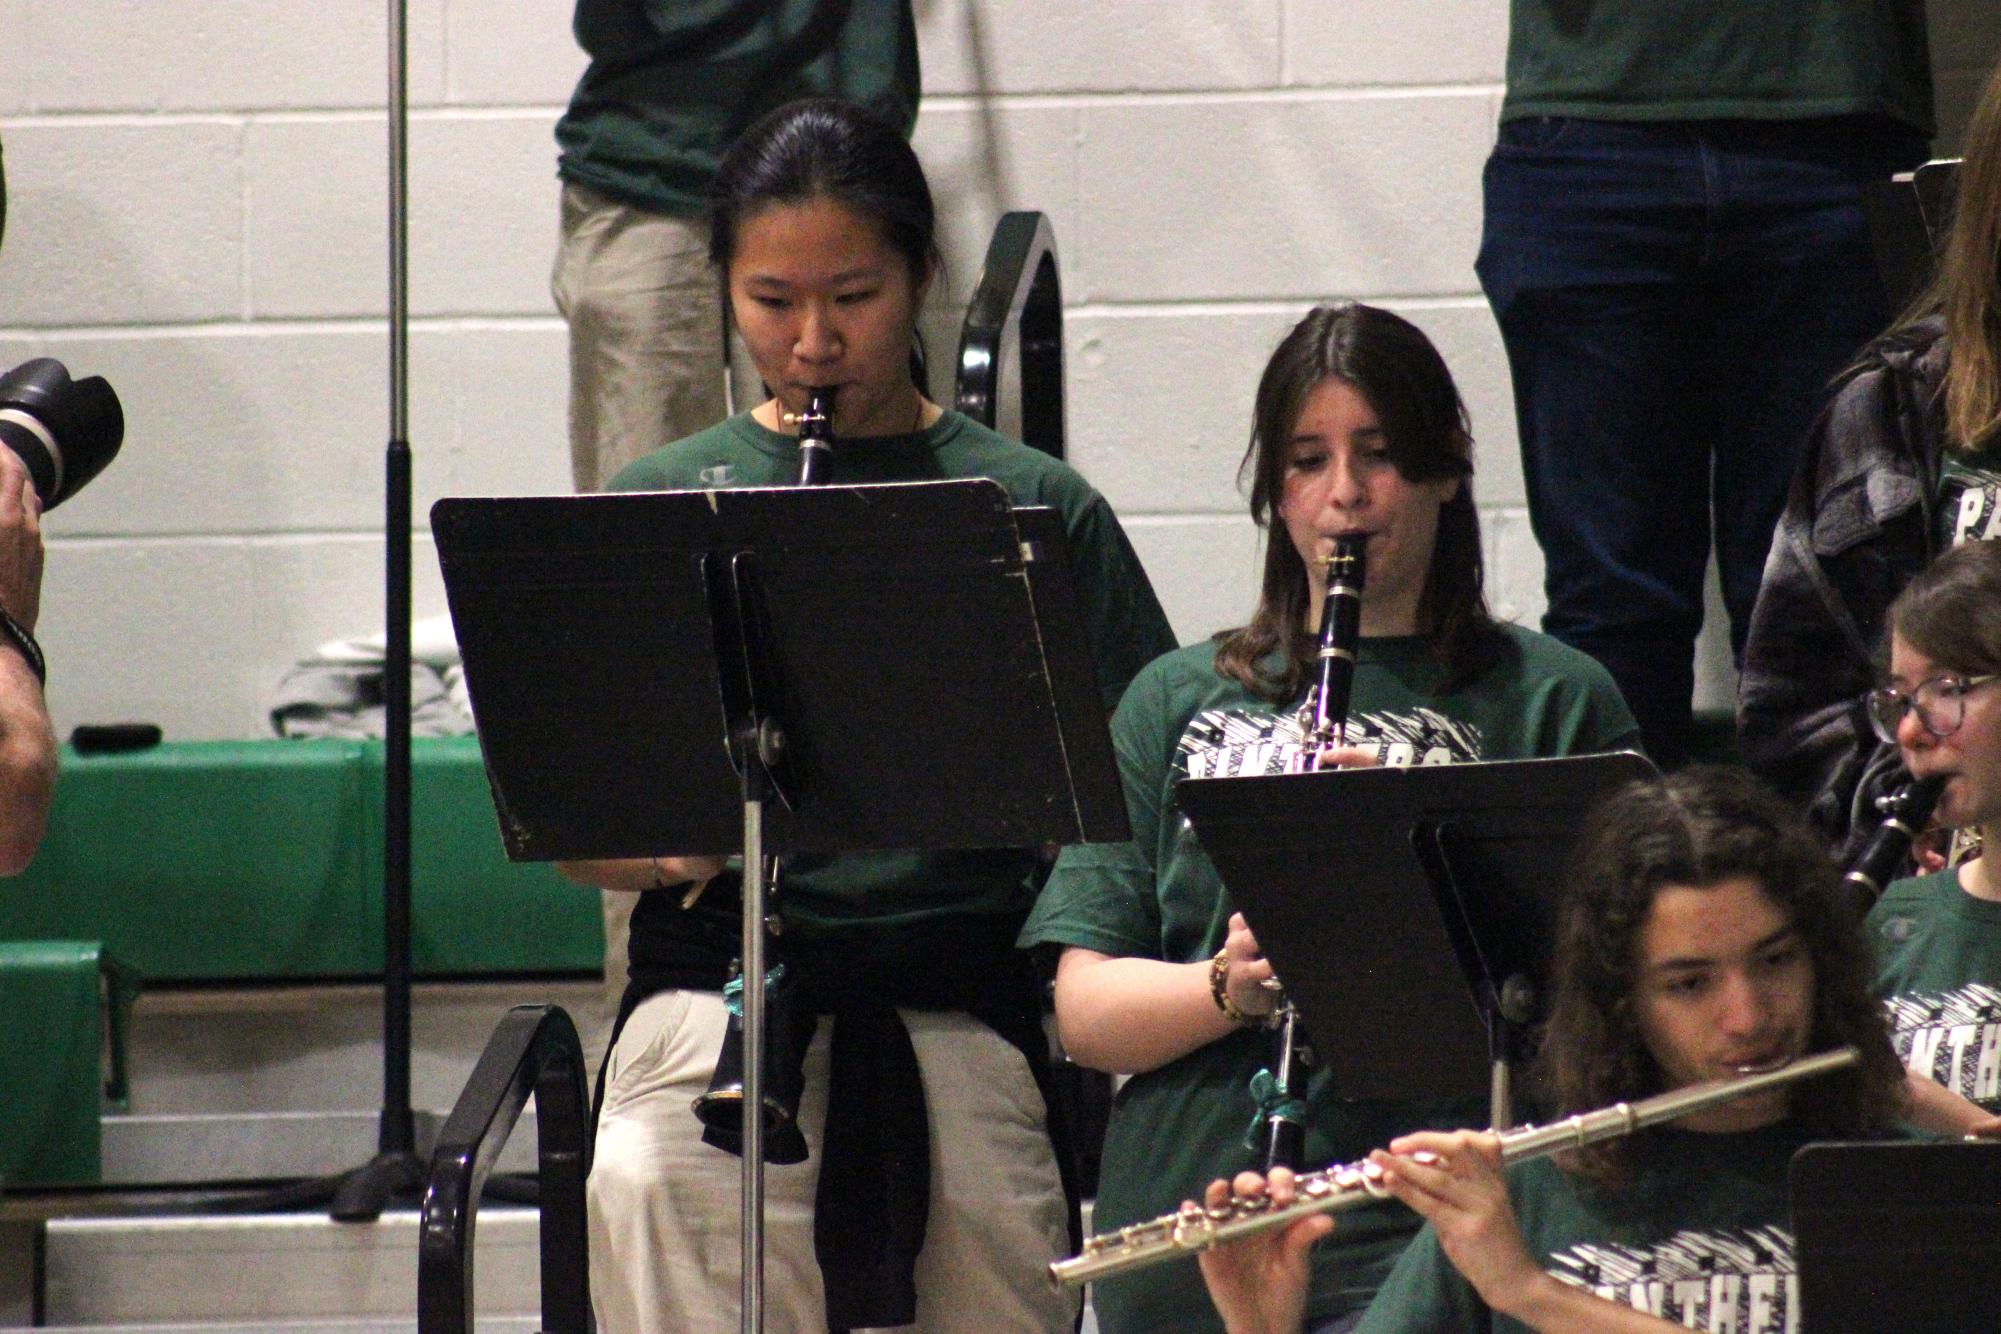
362 1194
398 1133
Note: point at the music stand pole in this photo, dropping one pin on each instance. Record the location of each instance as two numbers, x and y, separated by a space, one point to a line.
730 615
361 1195
753 1053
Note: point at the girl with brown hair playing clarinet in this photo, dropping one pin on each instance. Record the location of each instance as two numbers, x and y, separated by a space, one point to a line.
1358 432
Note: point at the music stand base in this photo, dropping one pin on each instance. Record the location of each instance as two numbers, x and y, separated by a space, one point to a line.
360 1196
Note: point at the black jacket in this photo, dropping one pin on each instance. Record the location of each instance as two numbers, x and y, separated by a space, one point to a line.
1858 524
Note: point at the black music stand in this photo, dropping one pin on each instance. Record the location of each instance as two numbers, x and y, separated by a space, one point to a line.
1909 216
1899 1236
864 667
1408 911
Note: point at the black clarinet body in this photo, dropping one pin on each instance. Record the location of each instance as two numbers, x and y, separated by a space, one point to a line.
816 437
1905 810
786 1030
1340 629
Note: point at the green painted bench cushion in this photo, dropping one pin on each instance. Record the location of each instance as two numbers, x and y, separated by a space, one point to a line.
67 1002
253 860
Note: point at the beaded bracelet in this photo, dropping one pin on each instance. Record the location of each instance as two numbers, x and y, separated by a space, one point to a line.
1219 991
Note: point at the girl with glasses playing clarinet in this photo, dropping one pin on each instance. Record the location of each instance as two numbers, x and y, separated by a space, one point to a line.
1938 936
1904 464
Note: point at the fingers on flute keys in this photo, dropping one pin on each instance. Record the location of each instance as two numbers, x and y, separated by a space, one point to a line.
1454 1182
1440 1174
1280 1189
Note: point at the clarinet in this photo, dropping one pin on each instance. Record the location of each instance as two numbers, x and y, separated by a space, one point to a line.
1340 628
816 436
1905 810
782 1043
1196 1227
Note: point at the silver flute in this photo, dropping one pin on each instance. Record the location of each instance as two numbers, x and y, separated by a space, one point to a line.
1196 1227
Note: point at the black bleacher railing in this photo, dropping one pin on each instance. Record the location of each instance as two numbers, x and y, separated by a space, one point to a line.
1020 294
1019 289
534 1050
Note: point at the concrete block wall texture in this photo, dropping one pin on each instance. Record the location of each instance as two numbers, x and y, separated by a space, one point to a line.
197 202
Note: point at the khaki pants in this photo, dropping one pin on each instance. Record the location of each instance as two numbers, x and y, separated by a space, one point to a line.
646 368
665 1208
646 331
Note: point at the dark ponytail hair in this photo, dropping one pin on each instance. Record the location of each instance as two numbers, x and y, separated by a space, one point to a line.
824 148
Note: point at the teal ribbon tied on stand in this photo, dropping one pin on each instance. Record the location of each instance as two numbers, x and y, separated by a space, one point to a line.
733 989
1272 1101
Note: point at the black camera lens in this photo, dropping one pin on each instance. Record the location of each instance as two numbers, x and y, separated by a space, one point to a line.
65 430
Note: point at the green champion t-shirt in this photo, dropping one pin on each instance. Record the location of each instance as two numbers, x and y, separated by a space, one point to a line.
1719 59
1158 897
873 897
1698 1237
1938 970
672 83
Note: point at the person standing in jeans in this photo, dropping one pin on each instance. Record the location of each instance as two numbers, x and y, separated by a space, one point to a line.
1675 250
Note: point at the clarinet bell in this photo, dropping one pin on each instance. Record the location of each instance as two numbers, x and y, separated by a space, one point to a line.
721 1109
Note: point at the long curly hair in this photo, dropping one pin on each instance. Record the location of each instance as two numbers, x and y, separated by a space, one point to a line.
1697 827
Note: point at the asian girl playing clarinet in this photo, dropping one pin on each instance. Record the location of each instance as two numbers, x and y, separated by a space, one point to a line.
930 1190
1358 429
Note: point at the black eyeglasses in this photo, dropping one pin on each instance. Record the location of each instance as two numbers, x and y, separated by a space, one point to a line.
1940 702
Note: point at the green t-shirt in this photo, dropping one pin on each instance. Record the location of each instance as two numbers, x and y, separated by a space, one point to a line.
1158 897
1969 497
672 83
1698 1237
876 896
1719 59
1938 969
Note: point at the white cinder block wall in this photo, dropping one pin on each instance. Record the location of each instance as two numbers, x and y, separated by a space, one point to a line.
197 210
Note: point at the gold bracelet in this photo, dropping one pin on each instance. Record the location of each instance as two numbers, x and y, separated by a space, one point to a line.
1219 991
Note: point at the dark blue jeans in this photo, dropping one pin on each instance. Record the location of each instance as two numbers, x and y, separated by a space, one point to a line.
1674 298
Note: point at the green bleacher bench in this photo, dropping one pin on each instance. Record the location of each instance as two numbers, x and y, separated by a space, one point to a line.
67 1004
261 861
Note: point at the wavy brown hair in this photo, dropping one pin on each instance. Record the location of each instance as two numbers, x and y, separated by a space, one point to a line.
1951 609
1390 362
1965 294
1969 283
1697 827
